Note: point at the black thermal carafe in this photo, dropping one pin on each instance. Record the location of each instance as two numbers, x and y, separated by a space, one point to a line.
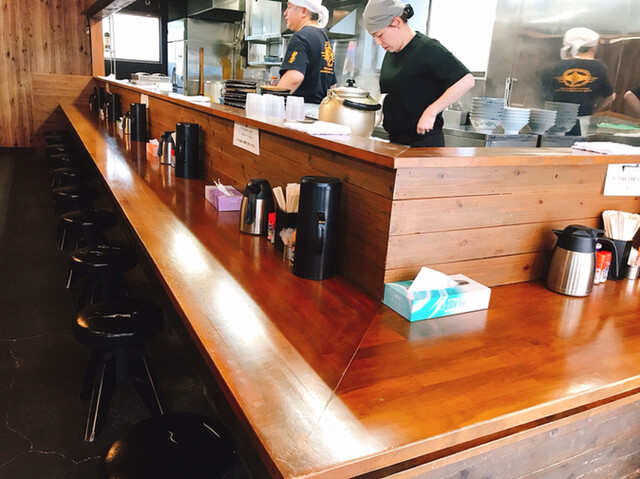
316 250
138 122
187 150
114 107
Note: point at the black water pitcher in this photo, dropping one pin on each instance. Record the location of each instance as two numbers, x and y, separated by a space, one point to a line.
114 107
187 150
138 122
317 227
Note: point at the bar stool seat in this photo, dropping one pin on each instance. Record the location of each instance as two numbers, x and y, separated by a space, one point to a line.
72 198
84 225
116 333
177 445
102 267
64 176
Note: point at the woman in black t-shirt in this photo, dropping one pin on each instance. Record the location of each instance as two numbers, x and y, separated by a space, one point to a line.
419 75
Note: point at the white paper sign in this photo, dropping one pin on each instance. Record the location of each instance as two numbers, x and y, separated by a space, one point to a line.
144 99
246 137
622 180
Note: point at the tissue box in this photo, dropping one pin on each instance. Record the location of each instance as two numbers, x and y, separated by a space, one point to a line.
467 296
221 201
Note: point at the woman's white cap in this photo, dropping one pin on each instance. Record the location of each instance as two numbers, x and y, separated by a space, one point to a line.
576 38
379 13
314 6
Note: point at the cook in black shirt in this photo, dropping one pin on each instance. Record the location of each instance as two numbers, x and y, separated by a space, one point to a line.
420 76
307 68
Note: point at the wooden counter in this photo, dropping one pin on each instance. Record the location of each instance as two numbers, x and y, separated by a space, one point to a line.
483 212
331 383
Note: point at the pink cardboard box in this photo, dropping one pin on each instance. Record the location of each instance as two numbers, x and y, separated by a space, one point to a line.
221 201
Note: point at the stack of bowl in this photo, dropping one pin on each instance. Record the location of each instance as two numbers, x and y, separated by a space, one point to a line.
486 113
566 118
514 119
541 120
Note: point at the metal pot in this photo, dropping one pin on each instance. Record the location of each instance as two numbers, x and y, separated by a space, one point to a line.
353 107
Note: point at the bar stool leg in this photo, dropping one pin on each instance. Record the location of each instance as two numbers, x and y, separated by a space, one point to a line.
145 382
103 387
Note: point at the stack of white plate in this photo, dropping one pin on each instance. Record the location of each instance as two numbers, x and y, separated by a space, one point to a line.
541 120
486 113
566 118
514 119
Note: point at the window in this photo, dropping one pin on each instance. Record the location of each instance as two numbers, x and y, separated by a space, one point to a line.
132 37
465 28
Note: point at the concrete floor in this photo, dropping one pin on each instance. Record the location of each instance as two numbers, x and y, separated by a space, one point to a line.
42 417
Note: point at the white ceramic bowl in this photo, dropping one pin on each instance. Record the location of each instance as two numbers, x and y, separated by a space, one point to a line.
540 127
512 127
484 125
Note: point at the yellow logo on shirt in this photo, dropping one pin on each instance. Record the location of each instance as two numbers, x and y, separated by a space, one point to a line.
293 56
329 58
576 79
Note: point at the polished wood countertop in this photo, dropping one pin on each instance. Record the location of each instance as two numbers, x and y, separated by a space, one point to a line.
332 383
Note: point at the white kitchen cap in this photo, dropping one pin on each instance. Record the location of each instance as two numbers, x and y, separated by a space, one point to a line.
576 38
314 6
379 13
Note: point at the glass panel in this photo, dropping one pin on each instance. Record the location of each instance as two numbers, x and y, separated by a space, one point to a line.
134 37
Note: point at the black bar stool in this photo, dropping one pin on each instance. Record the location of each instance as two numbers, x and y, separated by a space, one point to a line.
116 333
72 198
85 226
65 176
178 445
102 267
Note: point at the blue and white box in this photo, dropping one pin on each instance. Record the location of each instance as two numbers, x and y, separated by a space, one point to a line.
466 295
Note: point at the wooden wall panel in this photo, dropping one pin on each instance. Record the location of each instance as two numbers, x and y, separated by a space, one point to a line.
465 212
49 38
48 92
411 183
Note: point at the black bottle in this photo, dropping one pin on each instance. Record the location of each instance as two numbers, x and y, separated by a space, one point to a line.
316 250
187 150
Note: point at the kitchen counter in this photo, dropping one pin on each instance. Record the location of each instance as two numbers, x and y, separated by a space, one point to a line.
328 382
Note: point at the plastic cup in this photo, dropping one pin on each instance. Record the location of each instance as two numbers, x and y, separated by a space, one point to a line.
295 108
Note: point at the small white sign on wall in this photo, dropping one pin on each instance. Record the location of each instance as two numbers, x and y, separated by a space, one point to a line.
246 137
622 180
144 99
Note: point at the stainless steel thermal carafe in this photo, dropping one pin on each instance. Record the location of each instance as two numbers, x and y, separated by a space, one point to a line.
256 205
573 263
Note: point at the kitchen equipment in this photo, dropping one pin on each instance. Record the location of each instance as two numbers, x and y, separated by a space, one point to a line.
573 262
353 107
317 227
187 150
257 203
186 36
167 148
138 122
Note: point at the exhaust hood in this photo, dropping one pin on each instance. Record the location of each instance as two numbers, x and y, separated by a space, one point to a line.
216 10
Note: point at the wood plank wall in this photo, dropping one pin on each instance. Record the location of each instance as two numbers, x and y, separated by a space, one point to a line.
38 37
493 224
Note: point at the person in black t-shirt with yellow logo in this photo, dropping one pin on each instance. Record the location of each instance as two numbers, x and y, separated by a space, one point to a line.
307 68
578 77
